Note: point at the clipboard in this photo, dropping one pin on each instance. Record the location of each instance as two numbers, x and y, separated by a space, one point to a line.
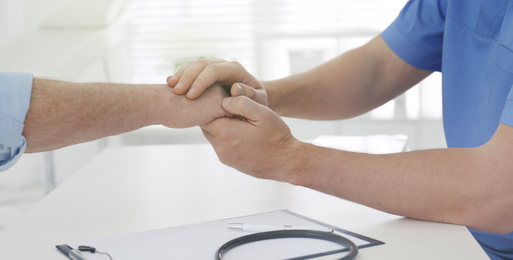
201 241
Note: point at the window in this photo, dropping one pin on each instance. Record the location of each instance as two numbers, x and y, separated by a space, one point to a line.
271 38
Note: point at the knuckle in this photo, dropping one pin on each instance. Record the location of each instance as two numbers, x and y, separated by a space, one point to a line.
180 70
202 61
187 76
240 100
207 61
250 92
214 68
235 63
237 101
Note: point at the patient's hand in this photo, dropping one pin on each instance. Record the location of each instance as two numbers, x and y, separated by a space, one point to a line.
183 112
194 78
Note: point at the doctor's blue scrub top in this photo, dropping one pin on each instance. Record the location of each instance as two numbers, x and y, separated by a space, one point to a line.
471 43
15 92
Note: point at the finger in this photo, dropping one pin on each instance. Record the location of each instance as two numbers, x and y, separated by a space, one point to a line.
172 80
211 138
243 90
217 71
257 95
225 72
237 89
187 77
210 74
245 107
219 144
220 130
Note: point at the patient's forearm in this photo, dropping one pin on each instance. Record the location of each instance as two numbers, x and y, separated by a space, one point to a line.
65 113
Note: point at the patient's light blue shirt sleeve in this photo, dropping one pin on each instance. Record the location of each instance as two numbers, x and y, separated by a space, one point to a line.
15 91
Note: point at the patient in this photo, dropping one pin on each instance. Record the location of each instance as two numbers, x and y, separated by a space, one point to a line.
38 114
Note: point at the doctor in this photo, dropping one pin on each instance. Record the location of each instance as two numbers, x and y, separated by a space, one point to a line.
469 183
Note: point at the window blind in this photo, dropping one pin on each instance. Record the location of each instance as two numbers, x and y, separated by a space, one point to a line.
171 32
269 37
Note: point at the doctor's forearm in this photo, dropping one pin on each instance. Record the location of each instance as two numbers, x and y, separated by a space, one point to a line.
346 86
444 185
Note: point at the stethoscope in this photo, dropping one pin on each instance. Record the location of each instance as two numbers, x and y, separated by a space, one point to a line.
353 249
313 234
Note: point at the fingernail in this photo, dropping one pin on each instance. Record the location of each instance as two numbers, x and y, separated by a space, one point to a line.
240 89
190 94
173 77
179 85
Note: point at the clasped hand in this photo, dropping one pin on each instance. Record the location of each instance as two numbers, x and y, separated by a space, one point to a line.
255 140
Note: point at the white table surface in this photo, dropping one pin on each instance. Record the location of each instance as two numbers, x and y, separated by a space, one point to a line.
132 189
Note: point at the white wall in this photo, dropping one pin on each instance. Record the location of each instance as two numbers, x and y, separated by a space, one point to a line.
24 182
20 16
21 37
277 56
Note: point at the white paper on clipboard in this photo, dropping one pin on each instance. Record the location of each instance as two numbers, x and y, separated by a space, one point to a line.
201 241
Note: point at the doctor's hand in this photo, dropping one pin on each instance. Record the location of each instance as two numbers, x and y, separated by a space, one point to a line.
257 142
195 77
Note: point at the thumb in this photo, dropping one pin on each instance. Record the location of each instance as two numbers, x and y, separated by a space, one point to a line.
257 94
245 107
239 89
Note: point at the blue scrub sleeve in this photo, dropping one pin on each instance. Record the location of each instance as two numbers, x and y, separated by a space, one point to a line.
15 92
416 35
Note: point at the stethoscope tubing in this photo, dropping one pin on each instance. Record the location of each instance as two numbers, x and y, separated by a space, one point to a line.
353 249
